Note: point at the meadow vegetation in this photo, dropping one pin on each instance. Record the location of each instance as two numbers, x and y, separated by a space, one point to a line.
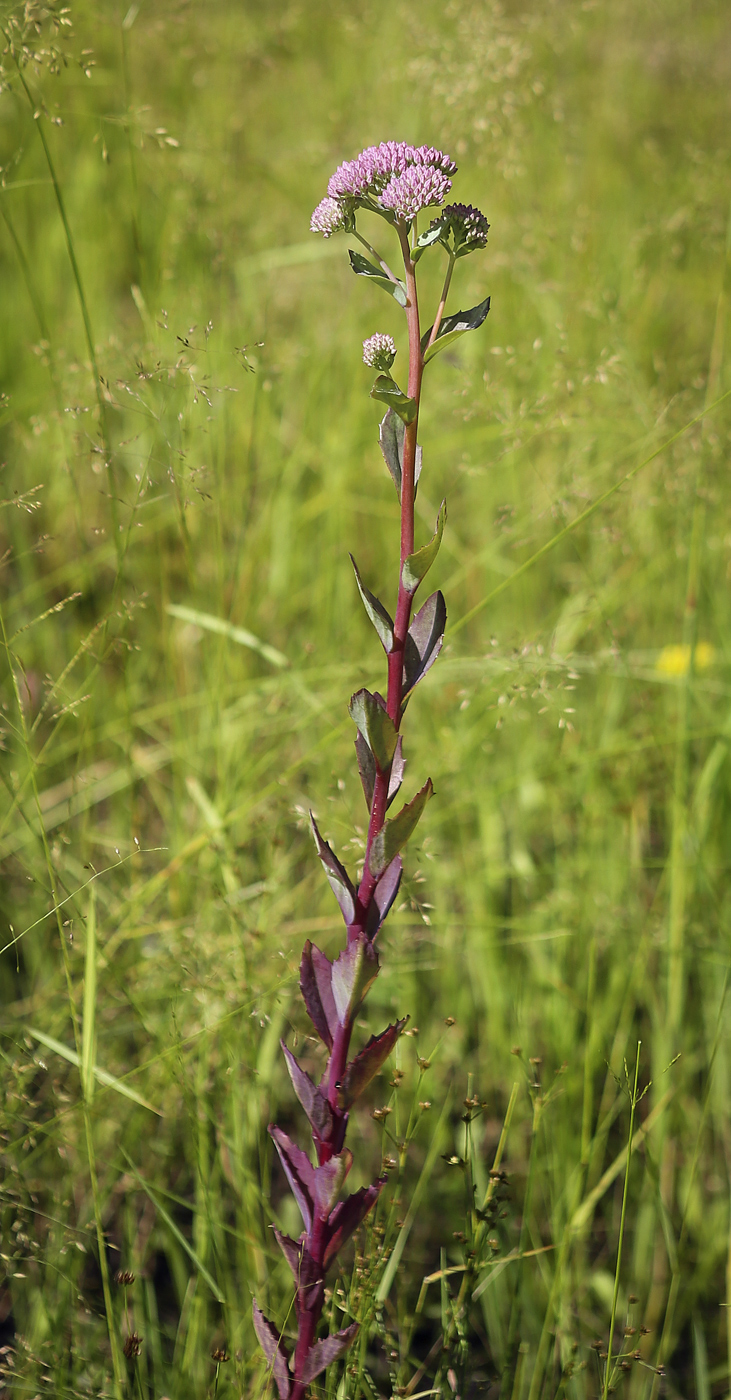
189 452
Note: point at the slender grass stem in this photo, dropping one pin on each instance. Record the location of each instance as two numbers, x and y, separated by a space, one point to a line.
679 874
135 202
81 294
81 1034
584 515
680 866
44 329
634 1100
512 1367
677 1273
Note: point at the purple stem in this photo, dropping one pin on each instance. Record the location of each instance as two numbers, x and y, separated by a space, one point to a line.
310 1299
403 604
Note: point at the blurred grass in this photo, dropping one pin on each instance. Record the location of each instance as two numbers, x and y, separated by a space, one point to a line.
583 810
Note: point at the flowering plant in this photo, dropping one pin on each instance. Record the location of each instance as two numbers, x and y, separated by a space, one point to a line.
396 181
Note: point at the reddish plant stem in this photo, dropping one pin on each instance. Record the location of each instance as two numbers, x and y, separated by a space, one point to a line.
338 1061
310 1309
404 600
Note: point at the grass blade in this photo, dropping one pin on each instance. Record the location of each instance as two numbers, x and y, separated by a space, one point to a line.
88 1025
180 1237
226 629
384 1287
109 1081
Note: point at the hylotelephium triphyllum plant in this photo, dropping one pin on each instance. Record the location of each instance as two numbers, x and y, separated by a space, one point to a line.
397 182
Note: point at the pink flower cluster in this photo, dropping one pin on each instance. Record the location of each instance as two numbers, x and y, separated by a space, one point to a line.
418 188
401 178
329 217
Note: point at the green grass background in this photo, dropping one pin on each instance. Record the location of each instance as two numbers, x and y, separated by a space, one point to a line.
567 892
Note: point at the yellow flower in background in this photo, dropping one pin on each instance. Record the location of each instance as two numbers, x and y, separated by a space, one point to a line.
675 660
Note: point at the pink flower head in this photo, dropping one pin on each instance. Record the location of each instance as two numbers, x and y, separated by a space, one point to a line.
418 187
351 179
429 155
373 169
330 216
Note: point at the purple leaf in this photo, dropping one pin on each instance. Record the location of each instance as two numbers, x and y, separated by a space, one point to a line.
424 640
326 1351
312 1099
299 1171
352 974
348 1215
396 831
274 1350
396 776
366 768
359 1073
316 988
328 1180
308 1275
293 1251
337 875
383 896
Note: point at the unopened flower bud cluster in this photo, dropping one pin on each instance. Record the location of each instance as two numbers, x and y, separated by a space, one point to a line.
379 351
467 225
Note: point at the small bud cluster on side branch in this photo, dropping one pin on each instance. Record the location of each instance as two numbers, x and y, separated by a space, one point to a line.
396 181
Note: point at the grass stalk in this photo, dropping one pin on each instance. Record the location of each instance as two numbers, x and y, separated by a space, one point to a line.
88 1058
83 304
634 1100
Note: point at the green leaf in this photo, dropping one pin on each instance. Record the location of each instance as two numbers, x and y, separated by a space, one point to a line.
430 235
336 873
363 268
378 615
418 565
427 239
375 725
453 327
391 433
387 391
395 833
366 768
